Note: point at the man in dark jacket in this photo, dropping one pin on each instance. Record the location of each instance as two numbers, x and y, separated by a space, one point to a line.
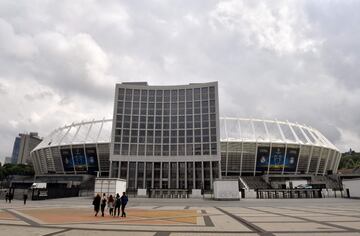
117 205
124 200
96 203
25 197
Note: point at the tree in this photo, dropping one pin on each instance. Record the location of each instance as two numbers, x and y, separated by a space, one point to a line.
15 169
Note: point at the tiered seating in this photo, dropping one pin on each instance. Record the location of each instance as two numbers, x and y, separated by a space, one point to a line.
255 182
330 181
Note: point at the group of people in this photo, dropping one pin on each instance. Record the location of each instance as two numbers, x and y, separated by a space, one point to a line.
114 204
8 197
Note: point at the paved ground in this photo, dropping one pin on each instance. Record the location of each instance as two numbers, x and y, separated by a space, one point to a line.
162 217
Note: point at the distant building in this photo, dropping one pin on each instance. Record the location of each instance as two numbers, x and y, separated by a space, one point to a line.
23 145
15 152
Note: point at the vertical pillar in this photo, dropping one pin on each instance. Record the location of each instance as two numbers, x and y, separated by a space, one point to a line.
298 159
256 150
318 164
186 175
194 183
144 176
202 175
169 176
285 156
152 175
136 174
219 166
310 157
177 175
161 171
268 171
211 176
127 173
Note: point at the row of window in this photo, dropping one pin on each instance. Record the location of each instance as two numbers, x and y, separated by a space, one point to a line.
189 107
160 95
165 119
176 122
165 150
165 140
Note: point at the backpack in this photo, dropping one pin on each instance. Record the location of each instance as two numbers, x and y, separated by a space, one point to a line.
118 202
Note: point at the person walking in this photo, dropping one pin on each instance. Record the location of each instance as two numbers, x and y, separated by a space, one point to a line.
111 205
96 203
124 200
10 197
25 196
6 197
103 204
117 205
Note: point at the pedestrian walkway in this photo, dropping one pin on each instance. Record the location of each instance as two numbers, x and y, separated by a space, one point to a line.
232 218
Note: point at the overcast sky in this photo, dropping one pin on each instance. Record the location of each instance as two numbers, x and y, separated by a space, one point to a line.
285 60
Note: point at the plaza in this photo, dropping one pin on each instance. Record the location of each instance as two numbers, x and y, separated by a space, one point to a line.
74 216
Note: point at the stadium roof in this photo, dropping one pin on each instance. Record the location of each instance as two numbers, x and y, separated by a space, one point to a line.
231 130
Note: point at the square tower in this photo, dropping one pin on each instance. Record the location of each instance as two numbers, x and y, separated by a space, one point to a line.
166 137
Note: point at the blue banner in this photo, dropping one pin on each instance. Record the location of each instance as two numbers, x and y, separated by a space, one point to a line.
91 158
262 160
79 159
291 159
67 160
277 159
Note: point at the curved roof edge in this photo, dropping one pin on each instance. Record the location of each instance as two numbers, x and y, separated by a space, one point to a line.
232 129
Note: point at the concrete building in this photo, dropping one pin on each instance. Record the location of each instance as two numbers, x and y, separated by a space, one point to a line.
23 145
171 137
170 133
16 149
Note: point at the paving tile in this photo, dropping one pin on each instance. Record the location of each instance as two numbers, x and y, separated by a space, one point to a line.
301 226
270 219
24 231
105 233
354 225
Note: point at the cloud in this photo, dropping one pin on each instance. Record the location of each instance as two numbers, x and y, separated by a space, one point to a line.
288 60
271 26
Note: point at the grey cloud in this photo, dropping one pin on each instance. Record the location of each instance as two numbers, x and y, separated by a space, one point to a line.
38 95
296 61
2 89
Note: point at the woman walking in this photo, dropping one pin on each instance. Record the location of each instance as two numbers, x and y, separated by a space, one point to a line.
111 205
103 204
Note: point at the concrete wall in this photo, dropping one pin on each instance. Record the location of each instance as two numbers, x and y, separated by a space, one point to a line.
226 189
353 185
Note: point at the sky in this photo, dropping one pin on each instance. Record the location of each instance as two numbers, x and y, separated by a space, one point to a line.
287 60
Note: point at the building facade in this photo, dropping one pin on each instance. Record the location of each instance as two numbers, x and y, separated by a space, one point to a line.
171 137
168 133
23 145
16 149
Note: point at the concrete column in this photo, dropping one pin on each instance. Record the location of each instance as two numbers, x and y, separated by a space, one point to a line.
211 176
177 175
194 186
161 170
127 173
152 175
136 173
185 175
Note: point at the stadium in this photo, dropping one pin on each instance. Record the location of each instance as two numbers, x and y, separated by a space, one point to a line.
88 144
171 137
